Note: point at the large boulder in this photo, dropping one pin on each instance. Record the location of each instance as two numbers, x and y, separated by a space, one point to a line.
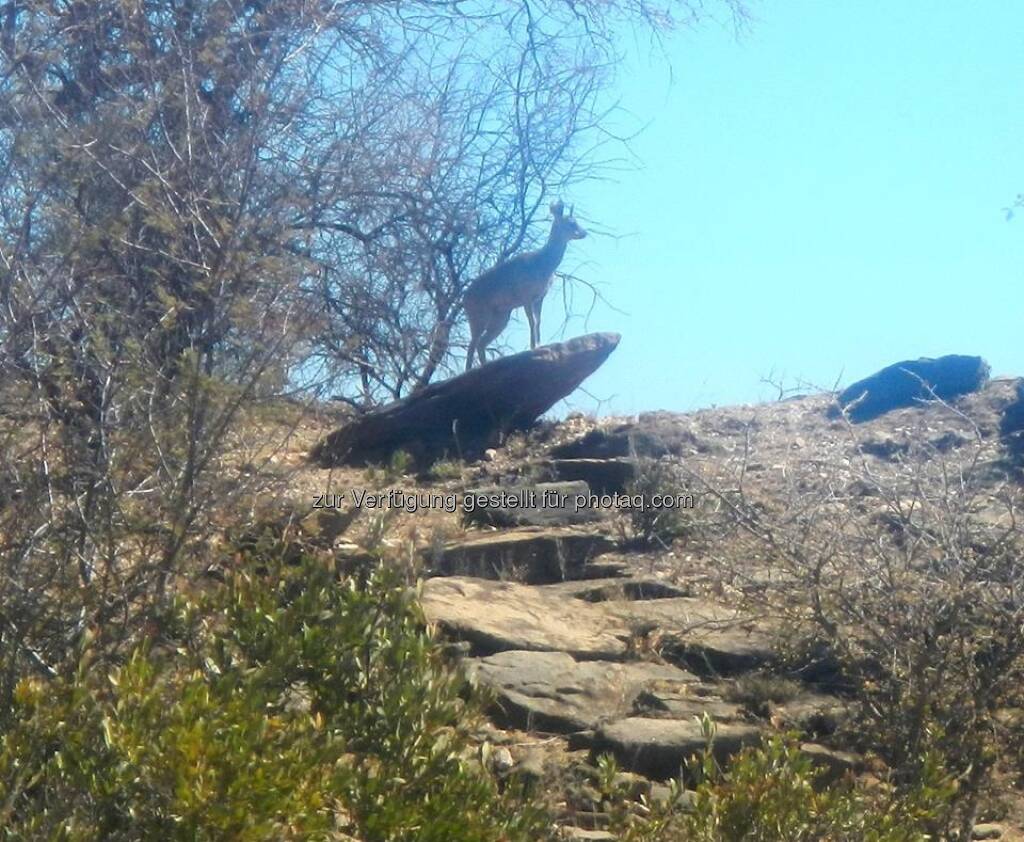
471 412
908 382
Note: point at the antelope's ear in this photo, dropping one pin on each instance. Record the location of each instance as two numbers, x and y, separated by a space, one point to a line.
556 208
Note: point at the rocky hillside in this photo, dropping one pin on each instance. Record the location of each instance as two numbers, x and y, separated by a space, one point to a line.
602 629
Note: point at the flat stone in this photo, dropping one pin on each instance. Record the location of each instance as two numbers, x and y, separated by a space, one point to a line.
499 616
552 691
653 435
659 748
535 557
663 701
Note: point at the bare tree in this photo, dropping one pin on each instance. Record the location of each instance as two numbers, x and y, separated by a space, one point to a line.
902 566
198 201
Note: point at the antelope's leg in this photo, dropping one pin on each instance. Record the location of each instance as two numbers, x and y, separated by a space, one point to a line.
491 332
531 317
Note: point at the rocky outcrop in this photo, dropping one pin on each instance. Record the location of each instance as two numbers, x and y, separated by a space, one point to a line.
911 381
471 412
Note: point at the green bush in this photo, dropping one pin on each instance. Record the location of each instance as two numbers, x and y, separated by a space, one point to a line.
291 706
774 794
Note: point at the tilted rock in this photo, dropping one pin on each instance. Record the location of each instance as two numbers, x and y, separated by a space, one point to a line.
467 414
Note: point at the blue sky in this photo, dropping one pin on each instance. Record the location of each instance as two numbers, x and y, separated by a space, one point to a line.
820 197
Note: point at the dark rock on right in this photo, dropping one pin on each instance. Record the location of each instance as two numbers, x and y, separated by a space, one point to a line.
1012 425
911 381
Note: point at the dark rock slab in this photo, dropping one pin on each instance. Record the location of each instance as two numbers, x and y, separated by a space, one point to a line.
472 411
534 557
659 748
906 383
552 691
539 504
604 476
499 616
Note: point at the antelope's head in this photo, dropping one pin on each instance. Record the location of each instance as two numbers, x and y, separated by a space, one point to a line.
564 227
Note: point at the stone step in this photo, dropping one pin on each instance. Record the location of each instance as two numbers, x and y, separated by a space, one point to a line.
701 634
498 616
552 691
660 748
530 556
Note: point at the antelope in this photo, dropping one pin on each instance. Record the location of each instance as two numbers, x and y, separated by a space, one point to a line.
520 281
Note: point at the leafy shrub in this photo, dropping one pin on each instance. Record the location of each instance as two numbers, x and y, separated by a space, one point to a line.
287 707
774 794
